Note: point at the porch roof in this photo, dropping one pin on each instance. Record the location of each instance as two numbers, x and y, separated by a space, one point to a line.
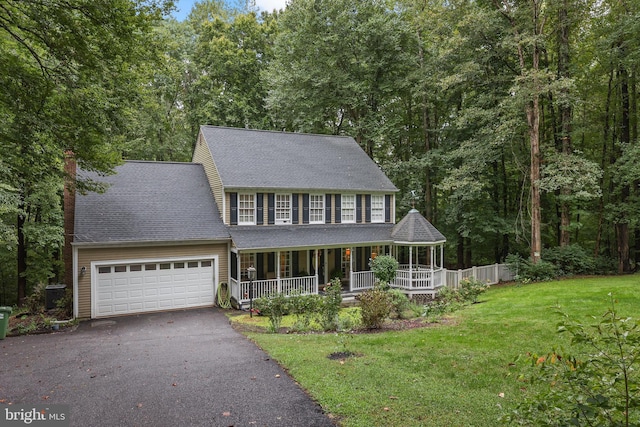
414 228
309 236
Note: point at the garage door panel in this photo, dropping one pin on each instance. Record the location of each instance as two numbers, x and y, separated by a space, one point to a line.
136 288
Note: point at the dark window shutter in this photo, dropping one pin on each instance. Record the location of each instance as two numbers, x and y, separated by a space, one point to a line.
233 200
294 208
359 252
338 260
327 209
387 208
271 262
260 266
260 208
367 208
271 209
338 209
358 207
295 264
305 209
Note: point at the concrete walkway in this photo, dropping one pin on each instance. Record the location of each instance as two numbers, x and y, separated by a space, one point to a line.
183 368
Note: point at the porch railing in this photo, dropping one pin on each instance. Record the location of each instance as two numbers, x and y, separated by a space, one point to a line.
419 278
361 280
262 288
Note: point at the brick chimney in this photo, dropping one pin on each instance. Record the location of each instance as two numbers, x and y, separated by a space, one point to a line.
69 206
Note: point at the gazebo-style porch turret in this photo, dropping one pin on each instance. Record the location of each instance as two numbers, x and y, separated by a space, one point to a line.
419 248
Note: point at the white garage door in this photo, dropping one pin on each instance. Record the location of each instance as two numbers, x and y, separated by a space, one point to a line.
122 288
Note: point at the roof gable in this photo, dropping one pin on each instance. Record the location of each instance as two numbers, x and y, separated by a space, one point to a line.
292 161
149 201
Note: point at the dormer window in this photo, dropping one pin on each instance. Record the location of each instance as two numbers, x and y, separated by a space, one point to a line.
283 208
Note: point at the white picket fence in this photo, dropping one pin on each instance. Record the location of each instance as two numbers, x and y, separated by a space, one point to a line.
490 274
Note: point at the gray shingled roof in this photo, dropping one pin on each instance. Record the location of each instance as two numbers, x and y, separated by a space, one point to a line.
280 160
298 236
147 202
414 228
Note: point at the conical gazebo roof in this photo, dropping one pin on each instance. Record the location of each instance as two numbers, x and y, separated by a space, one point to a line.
414 228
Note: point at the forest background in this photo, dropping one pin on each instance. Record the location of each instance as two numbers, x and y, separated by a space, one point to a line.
511 125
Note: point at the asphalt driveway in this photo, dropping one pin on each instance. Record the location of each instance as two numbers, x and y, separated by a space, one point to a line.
182 368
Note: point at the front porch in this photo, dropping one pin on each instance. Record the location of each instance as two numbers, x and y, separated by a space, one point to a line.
412 280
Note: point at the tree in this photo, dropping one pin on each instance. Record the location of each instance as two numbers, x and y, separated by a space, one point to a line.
68 72
336 68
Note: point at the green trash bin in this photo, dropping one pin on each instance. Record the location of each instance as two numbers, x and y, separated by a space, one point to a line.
5 312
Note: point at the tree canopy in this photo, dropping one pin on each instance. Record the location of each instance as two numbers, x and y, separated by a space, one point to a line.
514 123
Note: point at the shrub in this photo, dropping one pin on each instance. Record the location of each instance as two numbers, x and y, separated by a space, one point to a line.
330 307
349 319
274 306
384 268
400 303
375 306
304 308
570 260
599 388
526 272
471 289
35 302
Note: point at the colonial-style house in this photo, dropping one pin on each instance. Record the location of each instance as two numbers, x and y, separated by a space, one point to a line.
299 208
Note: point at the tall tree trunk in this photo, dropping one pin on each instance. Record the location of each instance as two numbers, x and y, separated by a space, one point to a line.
532 111
622 226
22 252
566 117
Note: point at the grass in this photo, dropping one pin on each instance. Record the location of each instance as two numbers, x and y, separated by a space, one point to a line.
458 373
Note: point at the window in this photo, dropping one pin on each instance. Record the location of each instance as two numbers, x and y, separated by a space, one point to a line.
348 208
246 260
316 208
205 264
165 266
149 267
246 209
192 264
103 270
377 208
135 267
178 265
283 208
285 264
120 269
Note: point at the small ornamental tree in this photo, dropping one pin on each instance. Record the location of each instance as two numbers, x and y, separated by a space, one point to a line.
384 267
598 385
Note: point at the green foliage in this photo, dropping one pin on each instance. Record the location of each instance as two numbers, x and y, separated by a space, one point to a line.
375 306
384 268
471 289
400 304
305 308
275 307
527 272
331 303
35 302
570 260
597 384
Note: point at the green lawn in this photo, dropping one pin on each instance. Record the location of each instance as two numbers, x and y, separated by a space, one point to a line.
458 373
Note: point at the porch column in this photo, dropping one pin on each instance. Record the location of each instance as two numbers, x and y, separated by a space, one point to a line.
352 253
410 267
278 287
431 278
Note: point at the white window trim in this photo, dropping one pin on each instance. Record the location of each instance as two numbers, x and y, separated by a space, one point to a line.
253 222
379 216
276 209
354 209
322 209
